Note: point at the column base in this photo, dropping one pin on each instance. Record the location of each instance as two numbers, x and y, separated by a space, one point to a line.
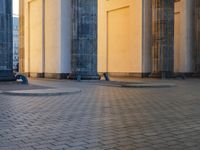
47 75
183 74
36 75
163 74
84 76
7 75
56 75
196 75
126 74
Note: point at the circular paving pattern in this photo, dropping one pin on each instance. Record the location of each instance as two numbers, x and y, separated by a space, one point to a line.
132 84
43 92
148 85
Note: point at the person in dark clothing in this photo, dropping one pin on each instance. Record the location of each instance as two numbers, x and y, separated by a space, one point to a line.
17 67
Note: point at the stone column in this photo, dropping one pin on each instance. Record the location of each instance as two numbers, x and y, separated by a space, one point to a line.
6 51
197 38
21 36
163 38
84 39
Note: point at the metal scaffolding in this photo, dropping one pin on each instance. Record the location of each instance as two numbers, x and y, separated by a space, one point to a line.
6 40
84 39
163 38
197 37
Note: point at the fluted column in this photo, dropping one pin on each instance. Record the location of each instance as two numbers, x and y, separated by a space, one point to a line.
6 51
197 38
163 38
21 36
84 39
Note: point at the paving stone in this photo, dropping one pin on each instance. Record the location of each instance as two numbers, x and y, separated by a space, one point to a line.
103 117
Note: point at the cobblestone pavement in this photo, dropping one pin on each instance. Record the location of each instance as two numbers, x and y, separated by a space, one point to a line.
103 118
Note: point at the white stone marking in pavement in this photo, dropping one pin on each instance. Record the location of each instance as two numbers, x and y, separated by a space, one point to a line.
43 92
149 85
